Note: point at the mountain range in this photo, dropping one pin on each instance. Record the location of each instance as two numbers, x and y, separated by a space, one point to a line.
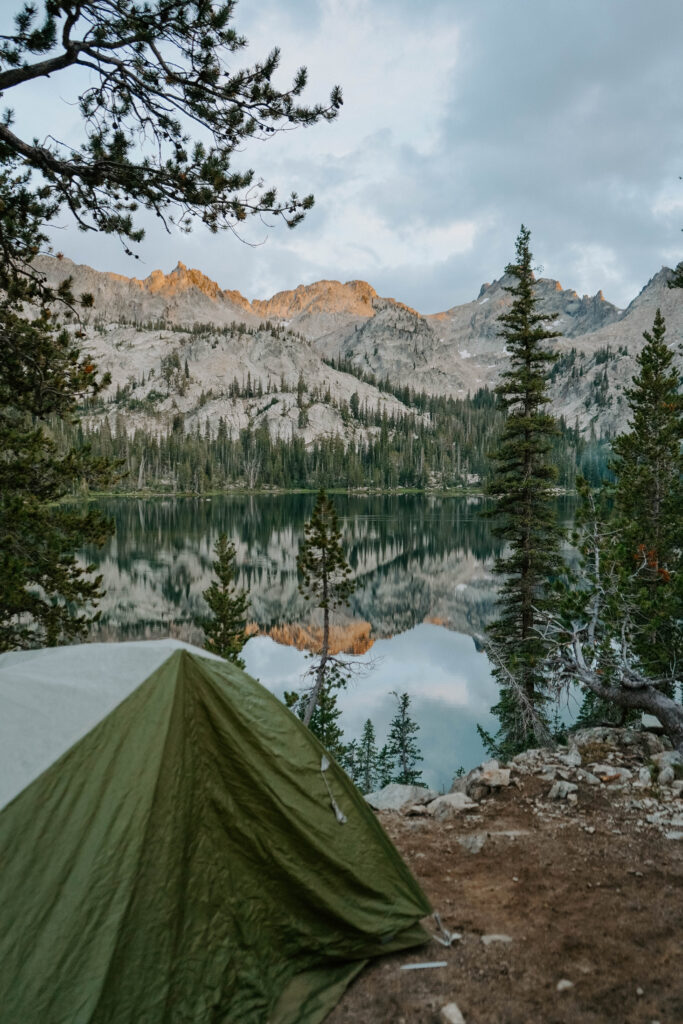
186 347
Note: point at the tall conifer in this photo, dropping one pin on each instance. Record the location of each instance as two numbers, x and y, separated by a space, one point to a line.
324 579
366 760
402 745
524 513
225 630
648 465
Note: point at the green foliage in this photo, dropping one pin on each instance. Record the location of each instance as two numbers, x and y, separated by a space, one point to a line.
402 746
156 69
225 629
46 596
367 759
524 514
648 497
324 724
596 710
323 569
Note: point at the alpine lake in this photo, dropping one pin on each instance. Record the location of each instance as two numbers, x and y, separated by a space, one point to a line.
424 591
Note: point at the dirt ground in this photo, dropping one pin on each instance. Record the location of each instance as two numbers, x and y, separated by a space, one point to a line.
602 910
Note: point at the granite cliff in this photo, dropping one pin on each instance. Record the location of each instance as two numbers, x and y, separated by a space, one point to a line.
139 328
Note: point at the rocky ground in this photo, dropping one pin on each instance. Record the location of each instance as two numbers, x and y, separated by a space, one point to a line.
560 877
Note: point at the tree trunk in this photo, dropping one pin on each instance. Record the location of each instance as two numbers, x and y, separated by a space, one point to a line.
324 654
645 698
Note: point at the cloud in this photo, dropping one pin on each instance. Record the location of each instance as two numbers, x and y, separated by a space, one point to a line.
457 126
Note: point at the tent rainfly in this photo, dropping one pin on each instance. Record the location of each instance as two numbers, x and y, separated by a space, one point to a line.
176 848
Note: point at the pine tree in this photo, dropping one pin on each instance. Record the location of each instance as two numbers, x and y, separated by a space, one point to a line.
385 767
324 723
46 595
366 759
524 514
138 154
402 747
324 580
648 465
225 629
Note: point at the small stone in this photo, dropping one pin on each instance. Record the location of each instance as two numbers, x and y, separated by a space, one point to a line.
473 843
611 773
673 835
564 984
589 829
561 789
667 757
666 775
572 759
644 777
489 939
677 787
588 778
640 991
450 1014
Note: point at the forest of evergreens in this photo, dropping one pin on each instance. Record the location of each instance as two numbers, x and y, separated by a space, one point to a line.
441 443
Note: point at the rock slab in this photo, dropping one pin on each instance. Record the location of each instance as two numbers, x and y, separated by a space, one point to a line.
395 797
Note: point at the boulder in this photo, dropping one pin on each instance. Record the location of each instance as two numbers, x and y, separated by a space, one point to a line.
450 805
480 781
494 777
619 739
395 797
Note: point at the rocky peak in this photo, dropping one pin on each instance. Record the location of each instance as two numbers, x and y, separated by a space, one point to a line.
354 297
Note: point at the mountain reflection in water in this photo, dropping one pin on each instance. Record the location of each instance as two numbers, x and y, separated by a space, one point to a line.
420 563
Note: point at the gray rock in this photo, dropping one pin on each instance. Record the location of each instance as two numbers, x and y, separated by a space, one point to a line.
611 773
666 775
494 777
588 778
450 806
450 1014
395 797
564 984
473 843
561 790
572 759
644 776
488 940
668 759
417 811
673 835
677 787
472 785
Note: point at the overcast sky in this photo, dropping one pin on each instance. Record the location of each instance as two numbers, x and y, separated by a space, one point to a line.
461 120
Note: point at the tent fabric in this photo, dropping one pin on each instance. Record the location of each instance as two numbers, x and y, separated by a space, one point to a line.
50 698
182 863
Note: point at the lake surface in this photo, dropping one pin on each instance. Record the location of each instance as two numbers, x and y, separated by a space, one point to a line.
424 591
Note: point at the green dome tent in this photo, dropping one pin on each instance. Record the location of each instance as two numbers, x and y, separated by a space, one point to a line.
176 847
